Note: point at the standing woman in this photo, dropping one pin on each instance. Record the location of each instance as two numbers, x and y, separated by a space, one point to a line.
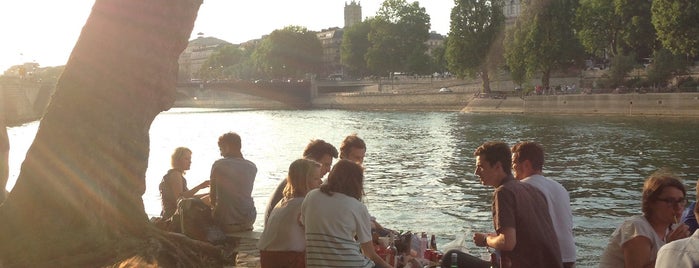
338 229
636 242
174 185
283 242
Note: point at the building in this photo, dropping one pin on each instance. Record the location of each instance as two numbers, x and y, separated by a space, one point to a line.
353 13
195 55
511 9
331 42
436 40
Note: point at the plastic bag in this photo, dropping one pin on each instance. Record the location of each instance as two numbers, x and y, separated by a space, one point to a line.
458 244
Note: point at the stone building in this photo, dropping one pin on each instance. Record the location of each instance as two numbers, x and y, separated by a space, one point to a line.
195 55
353 13
331 42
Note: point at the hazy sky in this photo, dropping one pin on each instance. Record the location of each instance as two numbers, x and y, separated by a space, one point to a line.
45 31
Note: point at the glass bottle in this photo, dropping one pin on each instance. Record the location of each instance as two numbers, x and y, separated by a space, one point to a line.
454 260
392 256
433 243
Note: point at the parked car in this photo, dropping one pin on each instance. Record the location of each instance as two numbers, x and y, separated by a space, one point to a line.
444 90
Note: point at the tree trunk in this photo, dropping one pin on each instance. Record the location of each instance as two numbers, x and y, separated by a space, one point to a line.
485 81
546 79
77 201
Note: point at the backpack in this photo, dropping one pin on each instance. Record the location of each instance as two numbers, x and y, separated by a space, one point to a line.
193 218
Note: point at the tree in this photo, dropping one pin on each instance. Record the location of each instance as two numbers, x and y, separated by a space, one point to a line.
221 63
473 35
677 25
289 52
637 33
77 201
398 35
542 40
598 28
665 65
355 44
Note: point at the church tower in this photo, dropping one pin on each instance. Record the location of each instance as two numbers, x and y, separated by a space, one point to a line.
353 13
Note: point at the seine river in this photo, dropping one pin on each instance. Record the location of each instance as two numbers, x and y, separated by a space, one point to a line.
419 165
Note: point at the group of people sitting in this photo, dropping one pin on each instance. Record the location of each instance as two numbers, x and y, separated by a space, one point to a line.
314 223
229 203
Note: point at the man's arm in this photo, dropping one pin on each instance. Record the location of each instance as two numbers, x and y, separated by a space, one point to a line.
505 240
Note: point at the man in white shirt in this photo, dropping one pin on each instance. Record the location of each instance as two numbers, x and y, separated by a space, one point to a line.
527 166
682 252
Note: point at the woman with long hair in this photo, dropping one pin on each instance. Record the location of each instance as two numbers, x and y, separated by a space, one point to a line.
283 243
338 228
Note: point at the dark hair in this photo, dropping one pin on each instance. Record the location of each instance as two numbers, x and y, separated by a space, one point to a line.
231 138
496 151
696 207
654 186
346 177
351 141
316 149
529 150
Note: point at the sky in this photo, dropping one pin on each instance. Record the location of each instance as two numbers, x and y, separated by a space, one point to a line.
45 31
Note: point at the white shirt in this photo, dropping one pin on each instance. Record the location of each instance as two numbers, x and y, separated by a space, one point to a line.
283 231
679 253
561 214
331 223
613 256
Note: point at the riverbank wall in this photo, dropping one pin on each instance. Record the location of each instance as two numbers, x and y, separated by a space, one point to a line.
651 104
448 101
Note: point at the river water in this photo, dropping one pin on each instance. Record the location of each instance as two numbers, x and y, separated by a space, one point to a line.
419 165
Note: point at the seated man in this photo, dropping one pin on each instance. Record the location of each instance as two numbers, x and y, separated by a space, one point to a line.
232 179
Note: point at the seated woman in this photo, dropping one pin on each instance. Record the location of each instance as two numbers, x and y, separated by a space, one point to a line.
283 242
174 185
333 216
636 242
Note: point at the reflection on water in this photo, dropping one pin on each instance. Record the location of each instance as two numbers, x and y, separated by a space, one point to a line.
419 165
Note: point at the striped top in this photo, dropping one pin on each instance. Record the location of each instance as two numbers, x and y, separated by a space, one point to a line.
332 222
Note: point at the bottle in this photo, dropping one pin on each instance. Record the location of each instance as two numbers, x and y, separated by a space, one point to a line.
454 260
392 251
423 245
433 243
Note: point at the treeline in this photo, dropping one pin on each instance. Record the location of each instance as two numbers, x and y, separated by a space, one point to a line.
547 36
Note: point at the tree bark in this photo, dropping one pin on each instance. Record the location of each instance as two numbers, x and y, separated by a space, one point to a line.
77 201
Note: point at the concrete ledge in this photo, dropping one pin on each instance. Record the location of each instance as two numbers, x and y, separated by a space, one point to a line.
652 104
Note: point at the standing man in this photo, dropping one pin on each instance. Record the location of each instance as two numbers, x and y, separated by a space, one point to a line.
353 148
683 252
527 164
317 150
521 219
232 178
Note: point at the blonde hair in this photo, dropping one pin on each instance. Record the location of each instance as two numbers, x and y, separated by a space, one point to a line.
179 154
300 174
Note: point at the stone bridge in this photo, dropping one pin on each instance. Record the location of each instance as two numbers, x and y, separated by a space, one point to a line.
293 93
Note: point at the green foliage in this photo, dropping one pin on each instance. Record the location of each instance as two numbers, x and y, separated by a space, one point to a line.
398 35
355 44
542 40
289 52
621 65
637 34
439 60
220 64
665 65
475 25
677 25
597 26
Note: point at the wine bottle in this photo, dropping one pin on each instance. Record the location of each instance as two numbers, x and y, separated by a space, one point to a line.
433 243
454 260
392 256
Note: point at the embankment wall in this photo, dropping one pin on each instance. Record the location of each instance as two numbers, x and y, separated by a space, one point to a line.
450 101
652 104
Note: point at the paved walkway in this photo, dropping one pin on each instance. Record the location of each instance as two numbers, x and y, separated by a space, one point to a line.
248 254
